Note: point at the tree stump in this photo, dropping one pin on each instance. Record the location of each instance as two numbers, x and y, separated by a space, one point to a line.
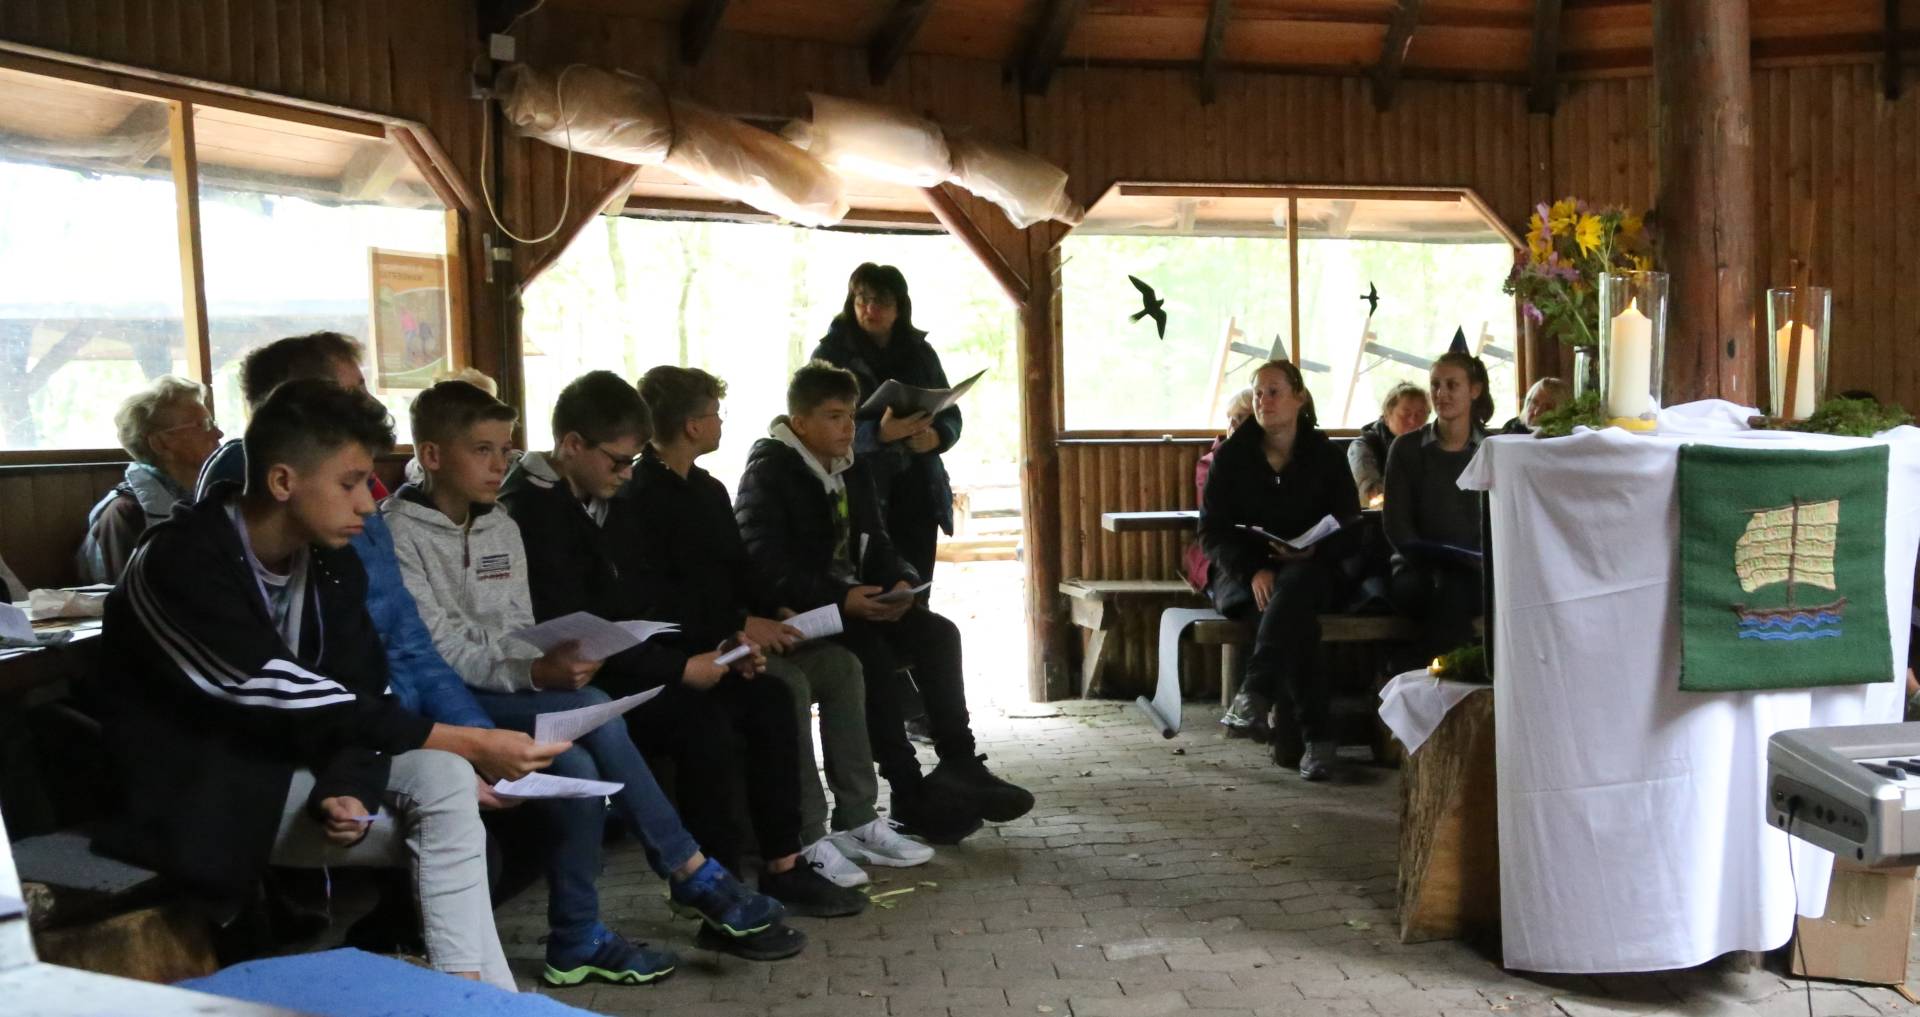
1449 834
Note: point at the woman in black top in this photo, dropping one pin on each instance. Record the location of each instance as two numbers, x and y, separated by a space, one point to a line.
874 338
1435 526
1279 473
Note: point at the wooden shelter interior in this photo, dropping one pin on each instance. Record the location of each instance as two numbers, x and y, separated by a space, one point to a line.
1511 101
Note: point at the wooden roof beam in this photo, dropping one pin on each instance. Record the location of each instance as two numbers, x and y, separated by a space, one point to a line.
1393 53
895 35
697 28
1217 14
1048 41
1893 71
1544 94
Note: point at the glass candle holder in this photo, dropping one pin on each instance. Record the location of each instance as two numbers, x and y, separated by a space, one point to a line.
1586 370
1633 334
1799 324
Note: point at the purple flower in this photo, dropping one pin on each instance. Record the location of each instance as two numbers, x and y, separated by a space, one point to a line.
1533 313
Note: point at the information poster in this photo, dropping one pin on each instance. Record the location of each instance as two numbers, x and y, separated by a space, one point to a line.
409 316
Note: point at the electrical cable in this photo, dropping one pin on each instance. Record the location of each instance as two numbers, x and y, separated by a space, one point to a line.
566 180
1806 977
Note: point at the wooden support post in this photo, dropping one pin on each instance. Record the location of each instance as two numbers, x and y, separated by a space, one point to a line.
890 42
698 27
1048 675
193 277
1703 78
1393 52
1543 94
1218 12
1891 69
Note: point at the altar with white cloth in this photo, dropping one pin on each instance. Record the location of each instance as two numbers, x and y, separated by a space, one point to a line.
1631 824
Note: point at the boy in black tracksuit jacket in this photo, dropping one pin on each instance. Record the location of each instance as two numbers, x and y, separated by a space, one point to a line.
247 709
812 523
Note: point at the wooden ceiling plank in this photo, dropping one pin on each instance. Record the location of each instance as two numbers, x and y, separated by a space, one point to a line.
1543 95
894 37
1892 71
697 28
1049 39
1393 53
1218 13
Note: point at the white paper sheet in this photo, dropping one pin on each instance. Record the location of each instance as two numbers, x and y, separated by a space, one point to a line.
1326 527
45 604
546 785
598 638
896 596
732 655
818 623
570 725
14 624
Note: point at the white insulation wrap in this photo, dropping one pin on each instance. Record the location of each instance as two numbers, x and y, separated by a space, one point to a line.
1026 187
874 141
629 119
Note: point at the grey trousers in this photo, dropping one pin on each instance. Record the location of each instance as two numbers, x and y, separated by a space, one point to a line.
428 821
825 673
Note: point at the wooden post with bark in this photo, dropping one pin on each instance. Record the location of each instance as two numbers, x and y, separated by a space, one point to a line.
1704 112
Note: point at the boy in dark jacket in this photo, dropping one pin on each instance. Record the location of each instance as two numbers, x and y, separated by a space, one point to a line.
715 724
248 713
812 522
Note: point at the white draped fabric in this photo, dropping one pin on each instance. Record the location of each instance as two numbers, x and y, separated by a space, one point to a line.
1632 832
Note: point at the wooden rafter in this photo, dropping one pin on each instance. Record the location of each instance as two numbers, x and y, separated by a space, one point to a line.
1218 12
697 28
1049 40
1892 70
1544 94
1393 52
894 36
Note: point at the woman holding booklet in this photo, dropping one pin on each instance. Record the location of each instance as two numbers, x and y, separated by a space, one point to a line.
874 337
1272 522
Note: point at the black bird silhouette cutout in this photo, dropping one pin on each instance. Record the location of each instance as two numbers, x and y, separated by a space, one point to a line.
1372 297
1154 307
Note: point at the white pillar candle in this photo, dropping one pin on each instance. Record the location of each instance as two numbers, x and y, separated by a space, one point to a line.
1799 403
1630 365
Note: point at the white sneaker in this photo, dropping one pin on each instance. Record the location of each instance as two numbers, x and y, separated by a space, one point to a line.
878 843
826 858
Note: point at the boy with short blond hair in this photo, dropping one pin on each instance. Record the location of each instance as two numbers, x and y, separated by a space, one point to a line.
465 565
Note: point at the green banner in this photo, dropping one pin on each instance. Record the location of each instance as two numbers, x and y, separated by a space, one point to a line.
1782 568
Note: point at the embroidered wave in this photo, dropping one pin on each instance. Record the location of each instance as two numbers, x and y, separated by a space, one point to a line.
1799 619
1790 636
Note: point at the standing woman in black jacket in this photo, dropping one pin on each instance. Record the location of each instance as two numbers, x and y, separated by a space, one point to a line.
874 337
1282 475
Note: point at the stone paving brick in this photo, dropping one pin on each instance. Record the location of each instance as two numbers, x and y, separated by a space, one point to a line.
1151 946
1237 960
1159 1004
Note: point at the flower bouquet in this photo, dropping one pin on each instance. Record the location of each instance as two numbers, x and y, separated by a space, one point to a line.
1569 246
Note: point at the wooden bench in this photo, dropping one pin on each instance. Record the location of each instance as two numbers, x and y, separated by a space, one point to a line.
96 913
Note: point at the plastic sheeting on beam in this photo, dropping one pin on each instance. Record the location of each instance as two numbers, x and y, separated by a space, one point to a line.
627 118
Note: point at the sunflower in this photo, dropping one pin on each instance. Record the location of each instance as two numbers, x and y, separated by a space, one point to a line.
1539 241
1588 234
1562 217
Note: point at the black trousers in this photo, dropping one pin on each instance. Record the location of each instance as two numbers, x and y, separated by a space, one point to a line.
1444 599
930 645
734 741
1285 662
915 535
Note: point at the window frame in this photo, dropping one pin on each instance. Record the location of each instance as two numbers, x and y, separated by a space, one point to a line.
182 95
1293 194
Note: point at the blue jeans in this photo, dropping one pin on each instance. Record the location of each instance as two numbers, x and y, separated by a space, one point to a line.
579 824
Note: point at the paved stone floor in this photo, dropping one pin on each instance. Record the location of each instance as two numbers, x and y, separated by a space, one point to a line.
1153 877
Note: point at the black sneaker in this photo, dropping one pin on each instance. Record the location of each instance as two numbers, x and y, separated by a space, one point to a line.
969 780
1317 762
775 942
919 731
806 892
933 816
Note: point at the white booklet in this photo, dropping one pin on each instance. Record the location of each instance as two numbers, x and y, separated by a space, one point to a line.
1326 527
570 725
598 638
818 623
907 400
546 785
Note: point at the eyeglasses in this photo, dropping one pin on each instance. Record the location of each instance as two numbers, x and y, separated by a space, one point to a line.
619 465
208 425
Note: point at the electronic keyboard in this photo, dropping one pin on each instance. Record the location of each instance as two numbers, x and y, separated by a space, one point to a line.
1852 790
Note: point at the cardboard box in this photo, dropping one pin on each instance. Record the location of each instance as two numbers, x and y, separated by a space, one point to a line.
1863 937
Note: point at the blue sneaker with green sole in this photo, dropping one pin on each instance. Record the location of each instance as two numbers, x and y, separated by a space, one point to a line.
609 957
716 897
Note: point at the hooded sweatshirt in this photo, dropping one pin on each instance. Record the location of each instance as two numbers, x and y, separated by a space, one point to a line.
470 584
145 497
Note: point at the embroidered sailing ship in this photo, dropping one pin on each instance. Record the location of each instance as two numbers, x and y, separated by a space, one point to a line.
1792 544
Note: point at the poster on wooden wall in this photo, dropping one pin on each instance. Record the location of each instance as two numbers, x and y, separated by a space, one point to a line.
408 313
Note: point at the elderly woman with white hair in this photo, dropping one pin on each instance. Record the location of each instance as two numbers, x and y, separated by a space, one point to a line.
169 431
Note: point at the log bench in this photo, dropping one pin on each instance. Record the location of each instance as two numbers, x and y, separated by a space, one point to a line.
92 912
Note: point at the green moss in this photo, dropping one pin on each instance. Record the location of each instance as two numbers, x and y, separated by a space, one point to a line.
1858 418
1581 412
1466 664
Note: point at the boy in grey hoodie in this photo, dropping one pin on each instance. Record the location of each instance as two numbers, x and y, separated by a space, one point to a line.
465 565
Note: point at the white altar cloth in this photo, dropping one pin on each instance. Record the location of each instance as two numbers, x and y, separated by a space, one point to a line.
1632 833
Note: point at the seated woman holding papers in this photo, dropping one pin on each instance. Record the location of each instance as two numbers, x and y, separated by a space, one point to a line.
1271 522
1435 526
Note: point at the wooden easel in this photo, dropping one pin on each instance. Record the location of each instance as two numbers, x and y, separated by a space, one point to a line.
1234 342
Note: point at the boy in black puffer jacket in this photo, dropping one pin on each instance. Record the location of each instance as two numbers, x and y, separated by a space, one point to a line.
812 523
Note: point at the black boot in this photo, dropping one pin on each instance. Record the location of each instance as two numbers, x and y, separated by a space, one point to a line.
807 893
968 779
933 815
